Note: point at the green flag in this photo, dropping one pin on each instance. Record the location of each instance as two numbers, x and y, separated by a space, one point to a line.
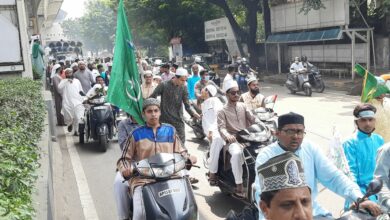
125 90
372 87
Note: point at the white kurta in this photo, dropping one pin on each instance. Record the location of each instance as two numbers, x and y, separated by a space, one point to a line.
72 101
210 108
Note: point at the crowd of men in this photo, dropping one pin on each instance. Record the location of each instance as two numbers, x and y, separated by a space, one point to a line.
300 164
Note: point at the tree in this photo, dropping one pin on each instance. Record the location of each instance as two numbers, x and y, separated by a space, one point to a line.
248 32
170 18
96 28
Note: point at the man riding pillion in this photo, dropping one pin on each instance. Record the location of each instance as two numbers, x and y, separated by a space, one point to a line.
243 71
234 117
210 108
317 167
146 141
253 99
363 146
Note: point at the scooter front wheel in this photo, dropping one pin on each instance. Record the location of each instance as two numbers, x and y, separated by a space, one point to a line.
103 143
320 87
307 91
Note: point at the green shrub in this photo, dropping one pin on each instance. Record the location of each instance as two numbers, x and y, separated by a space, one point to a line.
22 113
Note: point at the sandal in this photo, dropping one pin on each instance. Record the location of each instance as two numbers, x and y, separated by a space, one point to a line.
213 182
193 180
238 195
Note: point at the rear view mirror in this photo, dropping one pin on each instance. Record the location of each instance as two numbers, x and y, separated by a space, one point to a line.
374 187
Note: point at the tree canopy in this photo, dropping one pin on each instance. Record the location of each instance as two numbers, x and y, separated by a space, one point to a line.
96 28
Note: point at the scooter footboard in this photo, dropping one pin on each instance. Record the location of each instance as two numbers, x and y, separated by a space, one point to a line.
170 199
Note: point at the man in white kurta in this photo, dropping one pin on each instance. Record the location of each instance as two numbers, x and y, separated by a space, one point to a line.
210 108
72 101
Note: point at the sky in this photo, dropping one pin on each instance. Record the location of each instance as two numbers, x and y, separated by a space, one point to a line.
74 8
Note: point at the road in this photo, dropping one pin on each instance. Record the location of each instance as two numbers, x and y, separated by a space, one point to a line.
86 170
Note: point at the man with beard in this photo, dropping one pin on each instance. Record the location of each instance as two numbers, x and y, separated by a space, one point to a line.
72 101
252 99
74 67
85 76
361 149
317 167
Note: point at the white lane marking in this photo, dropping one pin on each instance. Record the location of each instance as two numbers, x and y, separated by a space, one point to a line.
87 203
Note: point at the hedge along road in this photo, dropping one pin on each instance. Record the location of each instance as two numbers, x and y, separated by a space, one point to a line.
322 112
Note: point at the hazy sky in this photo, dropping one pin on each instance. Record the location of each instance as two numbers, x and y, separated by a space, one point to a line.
74 8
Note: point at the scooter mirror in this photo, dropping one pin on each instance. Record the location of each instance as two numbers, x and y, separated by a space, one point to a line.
374 187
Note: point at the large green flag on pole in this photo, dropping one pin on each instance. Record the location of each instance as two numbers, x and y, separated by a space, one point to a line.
125 90
372 87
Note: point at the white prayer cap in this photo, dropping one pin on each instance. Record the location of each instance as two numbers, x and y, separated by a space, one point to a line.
158 62
54 69
73 65
157 77
251 79
148 72
212 90
81 62
229 84
181 72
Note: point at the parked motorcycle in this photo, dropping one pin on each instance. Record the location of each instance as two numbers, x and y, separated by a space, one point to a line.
253 138
315 79
98 123
171 195
299 83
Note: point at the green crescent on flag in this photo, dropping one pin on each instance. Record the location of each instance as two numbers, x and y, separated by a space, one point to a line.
124 90
372 86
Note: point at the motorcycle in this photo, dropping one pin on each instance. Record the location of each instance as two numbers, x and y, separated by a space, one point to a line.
98 123
315 79
171 195
299 83
253 138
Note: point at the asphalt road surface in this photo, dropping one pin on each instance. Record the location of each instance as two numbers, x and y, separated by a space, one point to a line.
88 175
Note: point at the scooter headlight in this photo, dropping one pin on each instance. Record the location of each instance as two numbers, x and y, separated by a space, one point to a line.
164 172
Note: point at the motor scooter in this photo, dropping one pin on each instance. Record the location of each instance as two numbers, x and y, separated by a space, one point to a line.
299 82
253 139
267 115
170 196
97 123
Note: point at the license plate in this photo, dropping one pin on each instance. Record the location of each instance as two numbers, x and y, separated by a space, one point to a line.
99 107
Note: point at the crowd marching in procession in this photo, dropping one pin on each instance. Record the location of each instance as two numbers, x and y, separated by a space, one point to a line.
287 170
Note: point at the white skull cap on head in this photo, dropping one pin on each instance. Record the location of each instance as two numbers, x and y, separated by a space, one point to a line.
212 90
230 84
181 72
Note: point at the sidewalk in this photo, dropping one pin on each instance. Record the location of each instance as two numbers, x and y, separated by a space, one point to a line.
332 83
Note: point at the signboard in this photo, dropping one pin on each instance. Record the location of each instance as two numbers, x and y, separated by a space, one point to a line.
10 41
287 17
7 2
218 29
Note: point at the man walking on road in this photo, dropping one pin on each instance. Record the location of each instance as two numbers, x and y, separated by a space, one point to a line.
173 95
85 77
72 102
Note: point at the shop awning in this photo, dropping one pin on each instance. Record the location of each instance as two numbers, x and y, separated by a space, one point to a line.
330 34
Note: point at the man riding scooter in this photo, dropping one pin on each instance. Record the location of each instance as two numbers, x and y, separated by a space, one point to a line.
244 71
295 69
234 117
144 142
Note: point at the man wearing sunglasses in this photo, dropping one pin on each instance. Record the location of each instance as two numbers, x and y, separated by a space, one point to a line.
317 167
234 117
